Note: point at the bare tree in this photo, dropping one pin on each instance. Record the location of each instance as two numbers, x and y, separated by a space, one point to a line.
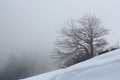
78 38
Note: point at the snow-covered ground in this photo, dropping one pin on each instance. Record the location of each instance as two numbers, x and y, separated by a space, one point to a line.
103 67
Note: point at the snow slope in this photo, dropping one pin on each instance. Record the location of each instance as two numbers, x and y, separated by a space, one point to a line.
103 67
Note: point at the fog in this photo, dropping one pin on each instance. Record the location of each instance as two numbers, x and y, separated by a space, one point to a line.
28 28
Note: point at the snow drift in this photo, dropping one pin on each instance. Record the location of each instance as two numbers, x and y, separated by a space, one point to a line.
103 67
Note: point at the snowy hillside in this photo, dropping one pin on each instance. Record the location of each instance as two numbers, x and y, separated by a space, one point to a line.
103 67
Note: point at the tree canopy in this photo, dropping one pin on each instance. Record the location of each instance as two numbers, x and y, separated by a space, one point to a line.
79 39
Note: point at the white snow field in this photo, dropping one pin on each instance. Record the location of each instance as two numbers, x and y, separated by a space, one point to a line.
103 67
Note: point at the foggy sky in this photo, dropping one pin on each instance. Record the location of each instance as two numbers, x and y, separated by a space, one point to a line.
31 25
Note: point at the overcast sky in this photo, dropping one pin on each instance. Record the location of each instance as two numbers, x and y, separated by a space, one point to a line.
31 25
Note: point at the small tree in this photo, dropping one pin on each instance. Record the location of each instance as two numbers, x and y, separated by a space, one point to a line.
81 37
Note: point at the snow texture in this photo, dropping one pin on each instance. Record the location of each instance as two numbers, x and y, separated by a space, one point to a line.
103 67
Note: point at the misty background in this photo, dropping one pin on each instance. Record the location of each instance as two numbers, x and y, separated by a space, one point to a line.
28 28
